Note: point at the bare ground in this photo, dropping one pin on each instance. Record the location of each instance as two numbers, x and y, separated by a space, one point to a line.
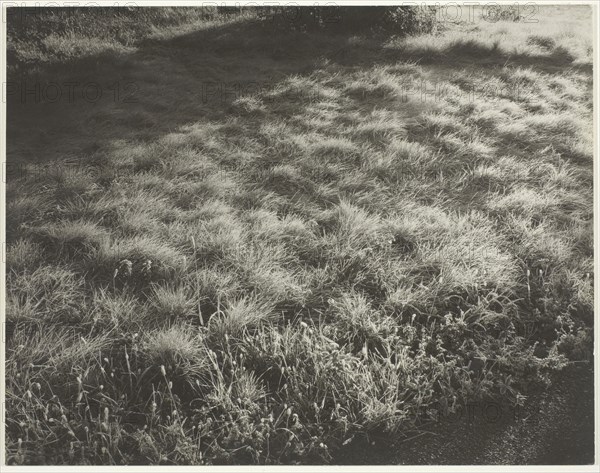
554 427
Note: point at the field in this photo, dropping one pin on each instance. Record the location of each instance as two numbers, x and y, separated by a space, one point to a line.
249 251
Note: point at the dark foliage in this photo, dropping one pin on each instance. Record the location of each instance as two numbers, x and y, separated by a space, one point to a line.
394 20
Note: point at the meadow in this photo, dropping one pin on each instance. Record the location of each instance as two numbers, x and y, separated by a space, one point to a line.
254 251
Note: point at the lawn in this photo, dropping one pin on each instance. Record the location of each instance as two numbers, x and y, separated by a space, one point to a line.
259 251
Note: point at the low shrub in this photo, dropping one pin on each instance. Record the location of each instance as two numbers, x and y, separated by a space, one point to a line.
395 20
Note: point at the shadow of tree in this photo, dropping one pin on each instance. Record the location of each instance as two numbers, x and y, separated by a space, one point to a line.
198 77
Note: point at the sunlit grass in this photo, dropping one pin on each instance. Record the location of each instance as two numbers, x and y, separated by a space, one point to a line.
262 277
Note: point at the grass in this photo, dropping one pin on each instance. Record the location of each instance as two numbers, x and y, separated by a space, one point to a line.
199 277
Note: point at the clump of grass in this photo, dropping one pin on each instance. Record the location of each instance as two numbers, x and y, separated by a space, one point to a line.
359 324
50 356
352 226
216 239
71 181
380 84
538 245
146 161
135 222
527 202
121 312
178 350
24 211
544 42
335 148
48 294
173 303
263 268
73 237
23 255
239 316
151 260
213 287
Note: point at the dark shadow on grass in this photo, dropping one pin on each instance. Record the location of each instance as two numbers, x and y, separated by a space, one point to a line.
462 54
195 75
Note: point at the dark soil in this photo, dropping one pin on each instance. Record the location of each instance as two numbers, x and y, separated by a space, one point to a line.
555 426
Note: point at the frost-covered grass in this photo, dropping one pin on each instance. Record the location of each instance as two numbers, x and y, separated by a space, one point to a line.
281 247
